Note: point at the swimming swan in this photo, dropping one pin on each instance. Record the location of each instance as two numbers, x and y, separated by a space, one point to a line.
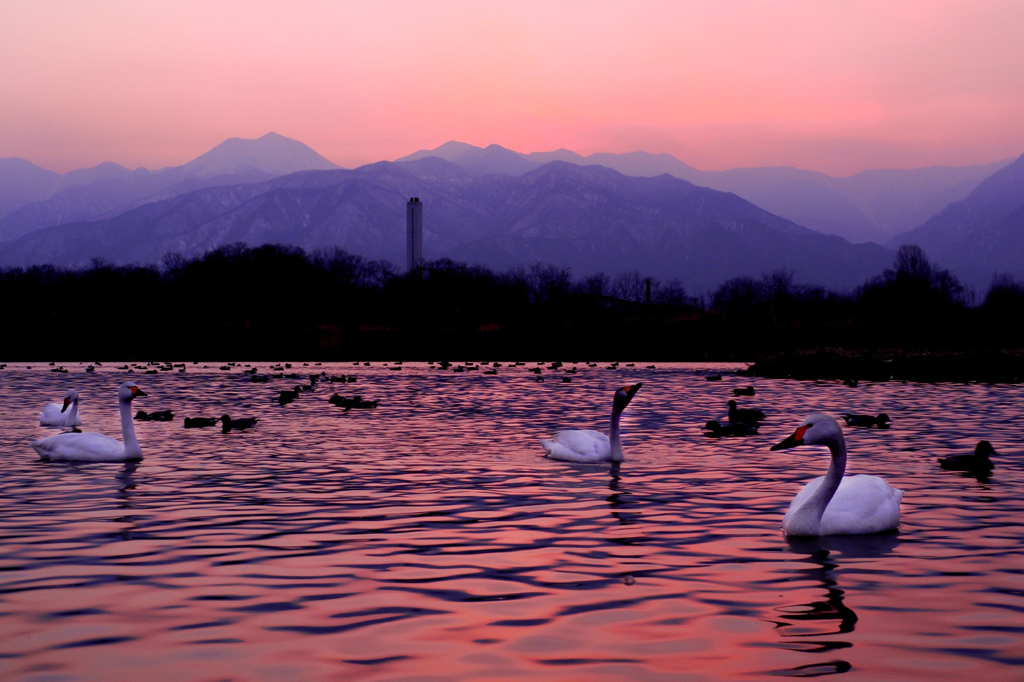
833 504
56 414
592 446
94 447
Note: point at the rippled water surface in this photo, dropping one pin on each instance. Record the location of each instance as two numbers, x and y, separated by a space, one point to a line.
430 540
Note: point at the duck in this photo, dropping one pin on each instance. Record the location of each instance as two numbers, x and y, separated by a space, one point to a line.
228 424
834 504
159 416
56 414
882 421
95 447
748 390
592 446
746 416
288 396
355 402
717 430
200 422
713 377
977 462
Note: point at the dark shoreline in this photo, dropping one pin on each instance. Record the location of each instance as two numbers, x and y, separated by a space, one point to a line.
919 365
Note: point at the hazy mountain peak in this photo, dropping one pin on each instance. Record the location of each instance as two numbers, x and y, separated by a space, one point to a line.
272 153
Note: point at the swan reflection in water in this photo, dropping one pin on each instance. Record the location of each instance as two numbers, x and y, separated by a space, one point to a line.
618 500
126 483
816 627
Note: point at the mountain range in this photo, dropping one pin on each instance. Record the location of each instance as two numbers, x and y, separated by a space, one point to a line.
873 205
587 218
48 199
981 235
603 212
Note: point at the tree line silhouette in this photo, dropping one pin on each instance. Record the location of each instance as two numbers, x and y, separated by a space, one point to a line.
274 301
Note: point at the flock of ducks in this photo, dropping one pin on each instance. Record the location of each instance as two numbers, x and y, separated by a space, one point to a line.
833 504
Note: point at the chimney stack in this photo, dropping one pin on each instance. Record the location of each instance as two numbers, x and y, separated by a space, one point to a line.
413 234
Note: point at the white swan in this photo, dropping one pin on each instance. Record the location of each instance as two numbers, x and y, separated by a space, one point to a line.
833 504
592 446
94 447
56 414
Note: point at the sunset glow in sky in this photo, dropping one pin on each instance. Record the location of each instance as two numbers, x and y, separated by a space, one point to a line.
831 86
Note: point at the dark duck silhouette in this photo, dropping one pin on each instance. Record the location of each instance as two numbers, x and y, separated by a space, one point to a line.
287 396
717 430
748 390
354 403
976 462
746 416
229 424
161 416
200 422
881 421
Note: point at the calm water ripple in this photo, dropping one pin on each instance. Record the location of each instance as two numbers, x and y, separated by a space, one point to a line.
430 540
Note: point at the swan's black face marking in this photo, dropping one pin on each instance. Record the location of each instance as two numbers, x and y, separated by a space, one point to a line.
624 395
793 441
67 401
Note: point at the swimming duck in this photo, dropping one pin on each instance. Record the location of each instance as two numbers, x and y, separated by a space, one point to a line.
229 424
717 430
976 462
200 422
882 421
160 416
746 416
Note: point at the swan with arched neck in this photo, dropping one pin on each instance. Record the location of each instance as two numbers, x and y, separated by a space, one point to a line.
834 504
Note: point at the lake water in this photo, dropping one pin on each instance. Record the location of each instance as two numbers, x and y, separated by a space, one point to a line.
430 540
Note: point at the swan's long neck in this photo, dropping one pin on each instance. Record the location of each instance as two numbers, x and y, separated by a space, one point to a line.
816 504
131 444
72 414
613 436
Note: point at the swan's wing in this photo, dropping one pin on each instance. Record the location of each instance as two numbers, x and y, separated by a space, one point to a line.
862 504
81 447
52 416
801 498
578 446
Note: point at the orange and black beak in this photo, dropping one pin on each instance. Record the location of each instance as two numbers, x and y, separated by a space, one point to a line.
796 439
631 390
67 401
137 392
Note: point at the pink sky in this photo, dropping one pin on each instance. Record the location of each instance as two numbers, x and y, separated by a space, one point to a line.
831 86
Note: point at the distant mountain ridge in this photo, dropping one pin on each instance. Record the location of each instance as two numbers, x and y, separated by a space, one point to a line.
108 189
981 235
588 218
873 205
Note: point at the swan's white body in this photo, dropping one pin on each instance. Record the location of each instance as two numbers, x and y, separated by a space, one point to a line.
95 447
581 446
860 505
57 414
591 447
833 504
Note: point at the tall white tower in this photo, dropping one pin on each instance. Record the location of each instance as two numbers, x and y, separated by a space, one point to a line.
413 234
